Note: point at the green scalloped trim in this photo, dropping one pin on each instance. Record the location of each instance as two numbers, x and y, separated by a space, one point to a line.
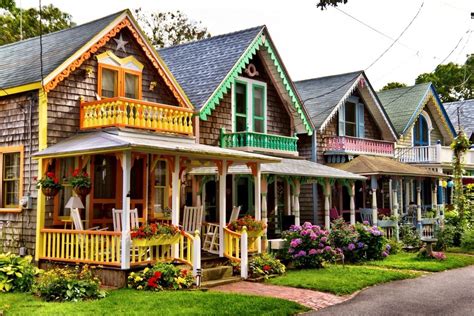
237 70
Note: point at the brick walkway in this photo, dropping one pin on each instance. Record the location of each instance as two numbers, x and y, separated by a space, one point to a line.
312 299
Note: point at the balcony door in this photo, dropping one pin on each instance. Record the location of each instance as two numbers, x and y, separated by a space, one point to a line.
421 131
249 106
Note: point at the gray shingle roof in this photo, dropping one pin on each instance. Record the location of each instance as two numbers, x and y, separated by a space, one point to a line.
466 115
401 104
199 67
20 61
321 95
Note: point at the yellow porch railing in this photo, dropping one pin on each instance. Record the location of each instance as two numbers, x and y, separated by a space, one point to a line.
81 246
232 246
124 112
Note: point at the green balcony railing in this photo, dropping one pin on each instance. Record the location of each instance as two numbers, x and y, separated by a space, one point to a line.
258 141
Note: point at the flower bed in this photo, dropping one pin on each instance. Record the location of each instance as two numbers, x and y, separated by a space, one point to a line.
162 276
265 265
308 246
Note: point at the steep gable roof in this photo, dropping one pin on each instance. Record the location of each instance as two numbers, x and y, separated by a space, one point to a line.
20 61
404 105
65 51
466 115
207 68
323 96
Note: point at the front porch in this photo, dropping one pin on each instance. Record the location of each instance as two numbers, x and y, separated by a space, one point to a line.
129 171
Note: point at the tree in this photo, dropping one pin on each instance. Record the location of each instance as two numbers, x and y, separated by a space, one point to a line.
453 82
323 4
52 20
170 28
393 85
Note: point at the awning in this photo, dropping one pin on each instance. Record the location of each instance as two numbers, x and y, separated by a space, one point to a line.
288 167
369 165
119 140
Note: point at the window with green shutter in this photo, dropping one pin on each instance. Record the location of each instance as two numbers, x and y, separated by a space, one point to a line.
351 118
249 106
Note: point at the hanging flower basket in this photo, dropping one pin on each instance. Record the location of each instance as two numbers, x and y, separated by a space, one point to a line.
50 192
157 240
82 191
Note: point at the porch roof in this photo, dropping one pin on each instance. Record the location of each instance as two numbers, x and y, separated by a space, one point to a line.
368 165
111 140
288 167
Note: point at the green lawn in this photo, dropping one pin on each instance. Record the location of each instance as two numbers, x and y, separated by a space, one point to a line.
410 261
132 302
460 250
339 279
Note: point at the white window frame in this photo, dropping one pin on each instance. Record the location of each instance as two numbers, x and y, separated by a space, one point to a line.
356 101
430 128
250 84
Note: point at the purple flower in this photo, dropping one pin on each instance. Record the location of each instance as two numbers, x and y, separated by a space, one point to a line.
304 233
360 244
291 250
365 222
321 245
302 253
307 225
384 254
324 239
327 248
351 246
312 252
313 236
387 247
295 242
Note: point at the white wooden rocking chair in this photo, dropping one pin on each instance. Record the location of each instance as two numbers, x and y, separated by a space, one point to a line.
77 221
117 219
211 235
192 219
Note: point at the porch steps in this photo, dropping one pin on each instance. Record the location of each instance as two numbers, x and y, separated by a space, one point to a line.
219 275
213 283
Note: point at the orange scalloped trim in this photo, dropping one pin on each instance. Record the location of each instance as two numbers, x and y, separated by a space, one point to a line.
100 43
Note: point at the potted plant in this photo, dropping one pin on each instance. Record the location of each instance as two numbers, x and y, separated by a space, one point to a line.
255 228
81 182
155 234
388 221
49 184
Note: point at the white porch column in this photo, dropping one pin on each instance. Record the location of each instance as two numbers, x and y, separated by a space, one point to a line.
222 205
373 185
296 206
264 203
395 203
390 194
418 203
407 194
402 200
175 192
435 199
352 203
125 238
258 200
327 193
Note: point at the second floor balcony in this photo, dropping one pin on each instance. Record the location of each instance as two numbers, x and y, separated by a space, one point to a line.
343 145
124 112
254 141
431 154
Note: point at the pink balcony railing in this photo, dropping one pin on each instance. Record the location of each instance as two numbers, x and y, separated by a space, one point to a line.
354 145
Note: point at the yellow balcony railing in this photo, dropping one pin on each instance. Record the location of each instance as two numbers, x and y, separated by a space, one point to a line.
124 112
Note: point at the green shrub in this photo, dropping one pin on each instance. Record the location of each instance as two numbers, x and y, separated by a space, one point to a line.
346 238
68 284
409 236
16 273
375 244
467 240
265 264
395 246
446 237
162 276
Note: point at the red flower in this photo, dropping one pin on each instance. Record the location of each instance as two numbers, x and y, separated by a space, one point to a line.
75 173
55 180
85 174
266 268
50 174
184 272
152 282
157 274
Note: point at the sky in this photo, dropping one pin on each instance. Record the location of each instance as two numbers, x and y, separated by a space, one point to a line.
315 43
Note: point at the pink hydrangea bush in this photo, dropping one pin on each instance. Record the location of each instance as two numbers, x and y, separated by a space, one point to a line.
308 246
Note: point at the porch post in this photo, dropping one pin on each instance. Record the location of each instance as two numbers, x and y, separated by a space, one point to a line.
327 192
296 206
435 199
126 242
373 185
352 203
222 204
264 208
407 194
40 214
258 200
418 204
402 200
175 192
390 194
395 200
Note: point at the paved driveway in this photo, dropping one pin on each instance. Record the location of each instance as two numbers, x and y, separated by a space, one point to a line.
445 293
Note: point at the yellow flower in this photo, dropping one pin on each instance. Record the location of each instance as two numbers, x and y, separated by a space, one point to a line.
139 287
146 270
138 279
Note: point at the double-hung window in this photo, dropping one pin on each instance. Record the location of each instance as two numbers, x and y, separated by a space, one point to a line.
249 106
11 168
351 118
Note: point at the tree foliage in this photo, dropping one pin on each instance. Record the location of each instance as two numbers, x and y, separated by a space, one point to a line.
170 28
52 20
323 4
393 85
453 82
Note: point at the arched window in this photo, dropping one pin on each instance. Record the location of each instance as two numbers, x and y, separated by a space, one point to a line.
422 130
